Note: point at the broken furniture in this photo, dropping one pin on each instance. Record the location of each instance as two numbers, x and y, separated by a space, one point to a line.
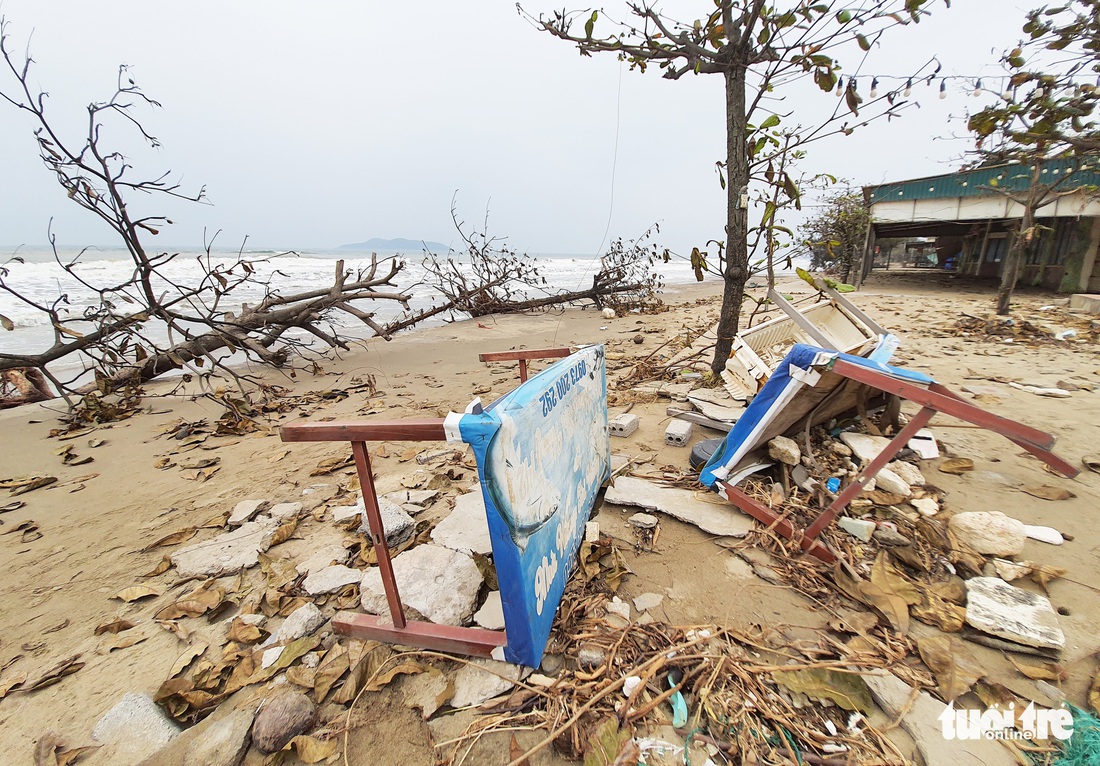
811 386
835 324
542 453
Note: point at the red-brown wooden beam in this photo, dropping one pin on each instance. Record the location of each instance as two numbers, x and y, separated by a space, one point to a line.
523 356
378 532
477 642
769 518
366 430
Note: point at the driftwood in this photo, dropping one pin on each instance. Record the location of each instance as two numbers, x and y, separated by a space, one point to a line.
23 386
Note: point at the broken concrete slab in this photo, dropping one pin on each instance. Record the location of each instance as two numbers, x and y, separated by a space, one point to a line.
921 717
989 532
419 499
890 482
302 621
908 473
865 446
136 727
331 579
466 528
398 525
483 679
716 518
227 553
223 743
643 521
647 601
675 391
491 614
861 529
1055 393
784 450
715 404
282 512
244 511
344 512
999 609
439 583
325 556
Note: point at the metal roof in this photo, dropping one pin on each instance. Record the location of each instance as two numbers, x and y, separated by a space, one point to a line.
973 183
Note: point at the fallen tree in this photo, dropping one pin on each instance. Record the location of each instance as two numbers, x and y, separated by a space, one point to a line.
134 329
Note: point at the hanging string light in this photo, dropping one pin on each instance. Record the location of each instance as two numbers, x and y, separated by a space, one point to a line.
874 87
908 88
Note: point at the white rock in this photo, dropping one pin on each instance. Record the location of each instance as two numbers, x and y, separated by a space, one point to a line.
227 553
716 517
398 525
784 450
301 622
995 607
647 601
282 512
136 726
1044 534
989 532
466 528
859 528
331 579
889 481
908 473
841 449
345 512
223 742
643 520
715 405
244 511
491 614
924 444
426 691
865 446
323 557
609 313
439 583
270 656
474 683
927 506
1056 393
618 607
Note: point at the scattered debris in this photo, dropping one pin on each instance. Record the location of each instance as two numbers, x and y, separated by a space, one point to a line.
281 719
491 614
227 553
439 583
995 607
466 528
135 728
716 518
480 680
989 532
678 433
331 579
623 425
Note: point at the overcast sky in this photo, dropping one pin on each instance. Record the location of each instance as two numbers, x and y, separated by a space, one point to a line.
319 124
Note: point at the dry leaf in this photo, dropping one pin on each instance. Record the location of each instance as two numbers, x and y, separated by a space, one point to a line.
163 462
605 743
332 464
300 675
361 670
190 654
1048 671
291 652
407 667
12 683
54 674
845 689
137 592
245 633
124 641
114 626
890 605
28 485
283 533
313 750
1094 694
59 626
330 670
173 627
44 749
197 602
1047 492
68 757
173 539
516 751
205 462
164 565
956 465
955 668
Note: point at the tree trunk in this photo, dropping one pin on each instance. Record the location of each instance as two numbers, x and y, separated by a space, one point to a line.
736 270
1035 195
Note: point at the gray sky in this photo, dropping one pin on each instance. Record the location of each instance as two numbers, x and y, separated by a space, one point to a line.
318 124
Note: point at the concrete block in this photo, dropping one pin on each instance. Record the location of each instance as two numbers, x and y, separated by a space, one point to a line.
678 433
623 425
1085 302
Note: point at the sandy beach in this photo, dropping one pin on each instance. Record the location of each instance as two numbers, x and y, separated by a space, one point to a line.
98 521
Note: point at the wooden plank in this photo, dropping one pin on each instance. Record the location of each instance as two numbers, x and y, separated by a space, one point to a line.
365 430
378 532
527 353
444 638
850 307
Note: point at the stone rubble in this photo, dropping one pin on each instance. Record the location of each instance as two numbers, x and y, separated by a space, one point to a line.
228 552
466 528
989 532
439 583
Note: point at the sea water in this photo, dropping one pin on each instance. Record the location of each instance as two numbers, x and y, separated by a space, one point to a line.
41 279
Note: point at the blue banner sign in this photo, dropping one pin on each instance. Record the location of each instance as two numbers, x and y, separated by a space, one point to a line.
543 453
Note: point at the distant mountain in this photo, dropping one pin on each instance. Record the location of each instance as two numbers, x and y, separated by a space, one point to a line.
395 245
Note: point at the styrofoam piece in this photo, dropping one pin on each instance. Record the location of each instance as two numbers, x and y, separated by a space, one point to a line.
678 433
924 444
622 425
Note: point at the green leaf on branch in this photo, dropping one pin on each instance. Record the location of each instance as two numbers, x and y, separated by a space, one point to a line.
844 16
806 277
771 122
864 43
590 24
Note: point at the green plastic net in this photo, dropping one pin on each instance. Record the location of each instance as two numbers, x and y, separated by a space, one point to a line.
1083 748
